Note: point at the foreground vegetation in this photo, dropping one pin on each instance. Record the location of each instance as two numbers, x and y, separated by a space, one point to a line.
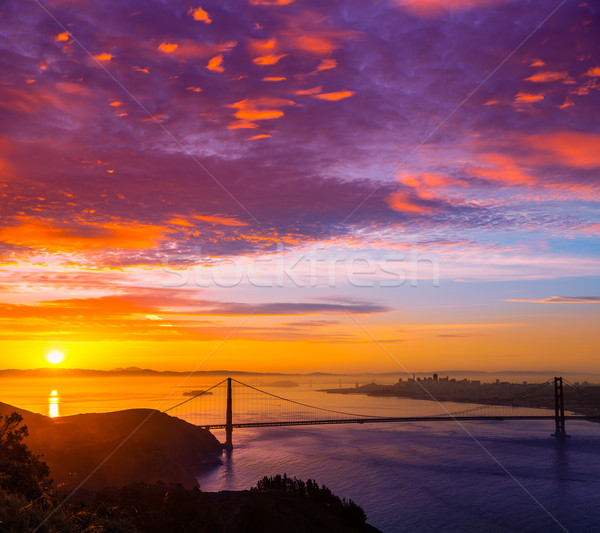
28 502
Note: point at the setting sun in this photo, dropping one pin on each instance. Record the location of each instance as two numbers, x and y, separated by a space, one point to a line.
55 357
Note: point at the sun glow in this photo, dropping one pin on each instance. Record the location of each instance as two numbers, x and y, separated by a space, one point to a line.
55 357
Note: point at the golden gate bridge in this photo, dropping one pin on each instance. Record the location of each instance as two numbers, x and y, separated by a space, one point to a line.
233 404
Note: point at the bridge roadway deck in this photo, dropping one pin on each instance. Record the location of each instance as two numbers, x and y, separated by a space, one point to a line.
397 419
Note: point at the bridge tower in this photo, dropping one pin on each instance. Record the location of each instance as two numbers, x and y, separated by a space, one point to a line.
229 419
559 410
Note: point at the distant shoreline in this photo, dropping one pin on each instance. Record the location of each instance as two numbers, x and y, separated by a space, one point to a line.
135 371
475 392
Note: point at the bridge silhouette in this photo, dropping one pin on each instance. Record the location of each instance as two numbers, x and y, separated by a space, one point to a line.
213 408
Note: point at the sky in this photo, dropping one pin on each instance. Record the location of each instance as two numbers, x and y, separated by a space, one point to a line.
300 185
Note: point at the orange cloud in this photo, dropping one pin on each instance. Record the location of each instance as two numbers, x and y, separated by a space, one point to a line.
200 15
259 114
260 108
503 168
427 185
424 188
262 136
168 48
180 222
315 44
335 96
310 32
32 233
215 64
327 64
268 60
274 79
241 124
61 37
545 77
116 103
314 90
220 221
567 147
594 72
567 103
528 98
270 2
103 57
260 46
538 63
405 202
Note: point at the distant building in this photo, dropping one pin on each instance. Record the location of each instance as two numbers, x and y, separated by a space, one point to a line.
435 377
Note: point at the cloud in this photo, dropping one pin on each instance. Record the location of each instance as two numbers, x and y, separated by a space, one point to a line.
570 148
593 72
432 8
216 64
310 32
503 168
168 48
161 315
501 173
270 2
220 221
561 300
528 98
39 234
264 108
288 309
268 60
327 64
427 193
105 56
407 202
546 77
332 97
200 15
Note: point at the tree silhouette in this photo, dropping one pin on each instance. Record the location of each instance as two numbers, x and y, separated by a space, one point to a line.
21 472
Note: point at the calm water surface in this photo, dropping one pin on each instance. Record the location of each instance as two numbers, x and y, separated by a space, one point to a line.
482 477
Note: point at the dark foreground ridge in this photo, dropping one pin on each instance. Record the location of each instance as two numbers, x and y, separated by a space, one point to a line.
162 448
29 502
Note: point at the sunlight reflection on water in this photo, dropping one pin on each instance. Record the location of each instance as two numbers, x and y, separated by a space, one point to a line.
53 411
